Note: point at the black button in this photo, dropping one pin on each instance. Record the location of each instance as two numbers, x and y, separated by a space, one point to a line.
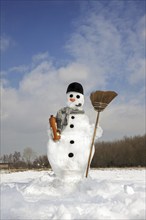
72 142
70 154
71 126
72 117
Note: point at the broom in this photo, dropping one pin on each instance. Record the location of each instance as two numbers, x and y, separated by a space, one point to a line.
99 100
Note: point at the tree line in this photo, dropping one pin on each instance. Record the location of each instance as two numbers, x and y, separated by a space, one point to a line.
128 152
28 160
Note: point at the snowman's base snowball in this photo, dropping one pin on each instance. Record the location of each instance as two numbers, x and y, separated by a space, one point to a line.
70 175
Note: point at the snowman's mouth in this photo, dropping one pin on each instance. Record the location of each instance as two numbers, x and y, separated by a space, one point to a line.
79 105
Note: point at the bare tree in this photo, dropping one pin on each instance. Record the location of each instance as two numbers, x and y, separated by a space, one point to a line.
16 156
29 155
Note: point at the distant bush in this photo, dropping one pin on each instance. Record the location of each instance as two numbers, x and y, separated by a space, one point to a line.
128 152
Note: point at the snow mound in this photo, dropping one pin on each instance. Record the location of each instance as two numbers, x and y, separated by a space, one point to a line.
47 185
106 194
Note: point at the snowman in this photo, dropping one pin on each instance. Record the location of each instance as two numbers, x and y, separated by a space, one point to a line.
69 155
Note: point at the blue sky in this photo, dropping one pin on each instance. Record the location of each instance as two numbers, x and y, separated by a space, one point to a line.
34 26
45 45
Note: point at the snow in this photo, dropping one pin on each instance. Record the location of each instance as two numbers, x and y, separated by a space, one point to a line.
106 194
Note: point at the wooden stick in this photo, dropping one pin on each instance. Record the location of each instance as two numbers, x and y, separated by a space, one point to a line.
91 148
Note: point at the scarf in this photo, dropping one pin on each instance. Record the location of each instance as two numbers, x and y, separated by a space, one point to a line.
62 117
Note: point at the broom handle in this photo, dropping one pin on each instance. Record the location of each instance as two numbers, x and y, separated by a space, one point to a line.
91 148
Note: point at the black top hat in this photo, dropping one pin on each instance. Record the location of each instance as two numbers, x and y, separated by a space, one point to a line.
75 87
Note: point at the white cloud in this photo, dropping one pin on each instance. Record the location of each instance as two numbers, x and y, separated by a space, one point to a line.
3 73
74 72
19 69
137 67
97 45
40 56
96 41
4 43
142 28
109 48
124 120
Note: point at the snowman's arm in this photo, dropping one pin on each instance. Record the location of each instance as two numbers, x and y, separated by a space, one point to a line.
99 131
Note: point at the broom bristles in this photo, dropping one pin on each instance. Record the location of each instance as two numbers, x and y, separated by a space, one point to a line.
100 99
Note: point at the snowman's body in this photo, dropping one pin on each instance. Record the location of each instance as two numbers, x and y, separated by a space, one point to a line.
68 157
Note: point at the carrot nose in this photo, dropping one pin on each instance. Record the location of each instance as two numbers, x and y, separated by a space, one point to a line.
72 100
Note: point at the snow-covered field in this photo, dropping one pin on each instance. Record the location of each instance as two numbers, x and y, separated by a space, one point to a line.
106 194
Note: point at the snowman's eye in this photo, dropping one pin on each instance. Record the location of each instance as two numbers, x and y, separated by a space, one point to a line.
78 96
71 95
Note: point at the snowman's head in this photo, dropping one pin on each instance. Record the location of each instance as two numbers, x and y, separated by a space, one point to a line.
75 96
75 100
